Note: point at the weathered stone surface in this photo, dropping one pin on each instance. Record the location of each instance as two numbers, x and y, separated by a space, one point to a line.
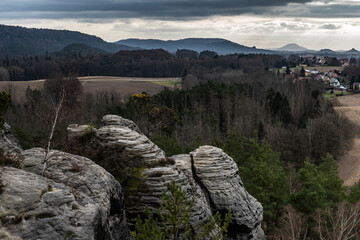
201 211
93 184
117 135
155 181
115 120
134 144
76 200
147 190
7 141
208 176
37 208
154 171
218 174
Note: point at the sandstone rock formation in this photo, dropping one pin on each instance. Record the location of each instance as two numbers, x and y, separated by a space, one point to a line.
76 200
218 175
208 175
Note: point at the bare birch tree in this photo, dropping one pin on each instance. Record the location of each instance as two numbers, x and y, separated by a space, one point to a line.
294 225
341 223
58 107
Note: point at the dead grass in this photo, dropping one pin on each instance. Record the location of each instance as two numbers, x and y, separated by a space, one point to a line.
124 86
349 162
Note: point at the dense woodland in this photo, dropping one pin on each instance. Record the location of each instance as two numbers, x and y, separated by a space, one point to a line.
283 135
80 60
21 41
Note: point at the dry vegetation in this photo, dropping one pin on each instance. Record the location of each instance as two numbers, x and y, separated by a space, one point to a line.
123 86
349 163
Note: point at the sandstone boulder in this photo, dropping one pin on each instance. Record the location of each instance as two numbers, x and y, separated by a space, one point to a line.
208 175
34 207
76 199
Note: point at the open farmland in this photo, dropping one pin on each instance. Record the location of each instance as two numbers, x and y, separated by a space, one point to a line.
123 86
349 162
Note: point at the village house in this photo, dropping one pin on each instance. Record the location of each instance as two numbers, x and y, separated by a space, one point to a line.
334 82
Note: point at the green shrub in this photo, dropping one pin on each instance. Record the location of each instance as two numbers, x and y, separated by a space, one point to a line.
354 195
320 186
172 218
262 172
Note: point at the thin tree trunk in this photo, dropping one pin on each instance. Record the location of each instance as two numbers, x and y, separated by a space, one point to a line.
57 112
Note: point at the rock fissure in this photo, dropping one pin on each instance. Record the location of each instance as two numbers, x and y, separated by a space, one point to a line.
202 186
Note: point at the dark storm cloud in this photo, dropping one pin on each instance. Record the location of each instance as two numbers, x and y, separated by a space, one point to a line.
322 11
137 8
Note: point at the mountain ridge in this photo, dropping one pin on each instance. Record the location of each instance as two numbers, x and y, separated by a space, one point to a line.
16 41
20 41
219 45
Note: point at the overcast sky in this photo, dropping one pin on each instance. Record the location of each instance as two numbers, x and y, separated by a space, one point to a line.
315 25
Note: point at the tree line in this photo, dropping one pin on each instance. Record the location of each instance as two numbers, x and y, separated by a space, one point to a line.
139 63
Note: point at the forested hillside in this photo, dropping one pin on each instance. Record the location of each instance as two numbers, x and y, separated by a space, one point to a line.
20 41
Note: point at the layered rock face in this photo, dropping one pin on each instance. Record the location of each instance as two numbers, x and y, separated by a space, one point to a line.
76 199
208 175
218 174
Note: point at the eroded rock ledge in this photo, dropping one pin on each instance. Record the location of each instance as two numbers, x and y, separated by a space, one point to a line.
208 175
76 200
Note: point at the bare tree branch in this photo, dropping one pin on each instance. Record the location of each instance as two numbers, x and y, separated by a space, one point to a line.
341 223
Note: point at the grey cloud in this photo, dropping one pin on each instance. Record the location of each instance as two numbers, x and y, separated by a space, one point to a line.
330 26
98 11
140 8
294 26
313 11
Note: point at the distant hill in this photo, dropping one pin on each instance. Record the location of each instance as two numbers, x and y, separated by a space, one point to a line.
20 41
78 48
326 51
292 47
352 51
219 45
